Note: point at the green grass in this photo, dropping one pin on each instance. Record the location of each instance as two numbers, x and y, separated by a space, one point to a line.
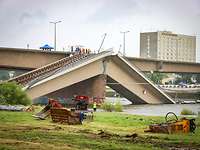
19 130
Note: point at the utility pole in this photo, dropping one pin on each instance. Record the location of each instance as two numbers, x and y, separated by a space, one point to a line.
55 33
124 36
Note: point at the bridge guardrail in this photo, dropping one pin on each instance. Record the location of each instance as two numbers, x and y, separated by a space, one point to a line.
25 78
29 78
179 86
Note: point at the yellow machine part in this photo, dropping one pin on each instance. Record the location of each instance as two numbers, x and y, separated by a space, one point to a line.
174 125
182 126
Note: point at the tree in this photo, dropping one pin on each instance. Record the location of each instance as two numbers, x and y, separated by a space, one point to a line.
183 77
156 77
197 77
11 93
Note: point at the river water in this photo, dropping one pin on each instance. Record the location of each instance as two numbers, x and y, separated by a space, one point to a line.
154 110
160 110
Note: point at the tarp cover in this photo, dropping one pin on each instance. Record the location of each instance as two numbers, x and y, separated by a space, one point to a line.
46 46
12 108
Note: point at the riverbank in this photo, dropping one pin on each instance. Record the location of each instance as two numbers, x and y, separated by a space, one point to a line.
19 130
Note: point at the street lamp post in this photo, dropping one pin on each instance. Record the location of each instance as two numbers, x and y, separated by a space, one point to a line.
55 33
124 36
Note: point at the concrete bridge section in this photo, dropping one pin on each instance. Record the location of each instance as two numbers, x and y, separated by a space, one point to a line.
32 59
124 78
189 94
182 91
147 65
27 58
117 72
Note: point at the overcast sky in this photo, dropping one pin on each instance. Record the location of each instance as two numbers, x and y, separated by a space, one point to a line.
84 22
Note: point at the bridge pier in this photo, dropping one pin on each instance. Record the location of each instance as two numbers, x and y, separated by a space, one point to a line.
94 88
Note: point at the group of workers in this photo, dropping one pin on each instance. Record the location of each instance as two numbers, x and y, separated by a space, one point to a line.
80 50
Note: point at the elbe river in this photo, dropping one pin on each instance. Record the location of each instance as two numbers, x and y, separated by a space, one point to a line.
154 110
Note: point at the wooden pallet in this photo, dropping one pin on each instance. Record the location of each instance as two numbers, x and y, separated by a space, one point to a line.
63 115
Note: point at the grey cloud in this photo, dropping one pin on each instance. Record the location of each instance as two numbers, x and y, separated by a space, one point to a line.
24 16
113 9
32 18
1 1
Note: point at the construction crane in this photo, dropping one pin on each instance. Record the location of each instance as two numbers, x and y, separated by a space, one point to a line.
104 36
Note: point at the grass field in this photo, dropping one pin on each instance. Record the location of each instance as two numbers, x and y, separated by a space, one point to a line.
20 131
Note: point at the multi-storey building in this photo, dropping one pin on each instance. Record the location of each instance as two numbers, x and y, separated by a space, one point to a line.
166 45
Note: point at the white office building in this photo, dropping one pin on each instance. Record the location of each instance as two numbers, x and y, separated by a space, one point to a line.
166 45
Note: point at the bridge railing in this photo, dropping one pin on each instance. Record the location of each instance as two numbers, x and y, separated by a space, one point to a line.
179 86
27 77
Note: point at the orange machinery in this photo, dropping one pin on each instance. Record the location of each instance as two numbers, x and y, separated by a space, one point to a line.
174 125
71 116
81 102
45 112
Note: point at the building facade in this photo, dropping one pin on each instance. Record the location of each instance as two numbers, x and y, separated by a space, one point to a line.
166 45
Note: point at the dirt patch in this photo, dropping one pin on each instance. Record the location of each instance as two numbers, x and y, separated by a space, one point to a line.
41 128
27 128
135 138
108 135
58 128
132 136
10 143
104 134
84 131
157 142
179 147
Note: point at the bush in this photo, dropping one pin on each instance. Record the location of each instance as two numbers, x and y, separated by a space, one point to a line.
107 106
187 112
12 94
118 107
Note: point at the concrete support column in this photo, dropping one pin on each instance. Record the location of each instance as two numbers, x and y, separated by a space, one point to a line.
94 88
